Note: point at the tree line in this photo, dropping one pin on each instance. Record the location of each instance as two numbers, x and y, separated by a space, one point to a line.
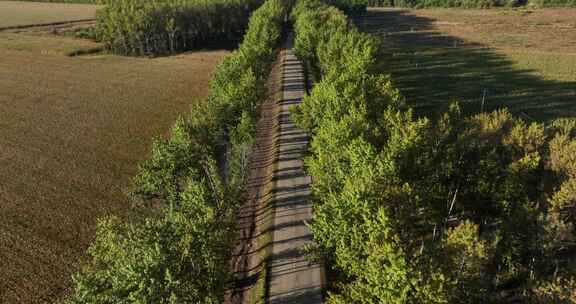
161 27
450 209
180 253
156 27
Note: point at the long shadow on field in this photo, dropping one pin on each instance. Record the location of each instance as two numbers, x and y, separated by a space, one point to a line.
433 69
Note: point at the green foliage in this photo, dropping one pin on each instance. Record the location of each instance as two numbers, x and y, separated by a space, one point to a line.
172 161
198 177
144 27
466 257
176 259
228 114
453 210
350 6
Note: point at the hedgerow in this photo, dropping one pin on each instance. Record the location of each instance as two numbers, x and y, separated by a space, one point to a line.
476 209
197 180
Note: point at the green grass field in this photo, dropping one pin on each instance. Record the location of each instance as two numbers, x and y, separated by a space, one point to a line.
523 60
16 13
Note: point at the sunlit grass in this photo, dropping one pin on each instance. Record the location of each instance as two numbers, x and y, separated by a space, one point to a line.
486 59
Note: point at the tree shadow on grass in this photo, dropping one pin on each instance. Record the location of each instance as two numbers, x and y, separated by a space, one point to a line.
432 69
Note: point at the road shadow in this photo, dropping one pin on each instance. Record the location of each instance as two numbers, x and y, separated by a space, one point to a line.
297 296
432 69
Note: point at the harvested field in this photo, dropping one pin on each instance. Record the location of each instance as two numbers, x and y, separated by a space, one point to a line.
17 13
517 58
72 131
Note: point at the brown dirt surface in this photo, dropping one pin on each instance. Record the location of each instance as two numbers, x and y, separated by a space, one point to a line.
72 131
16 13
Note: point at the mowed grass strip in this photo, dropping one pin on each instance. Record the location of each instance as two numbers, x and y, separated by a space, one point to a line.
17 13
521 59
72 131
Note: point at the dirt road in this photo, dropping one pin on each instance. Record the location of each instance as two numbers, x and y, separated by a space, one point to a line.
268 262
292 278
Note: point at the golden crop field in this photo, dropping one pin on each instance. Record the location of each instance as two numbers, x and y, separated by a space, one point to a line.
14 13
72 131
517 58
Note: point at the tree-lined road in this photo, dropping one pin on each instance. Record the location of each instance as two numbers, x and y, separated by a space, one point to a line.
292 278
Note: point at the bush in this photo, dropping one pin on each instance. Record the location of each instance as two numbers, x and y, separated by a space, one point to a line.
176 259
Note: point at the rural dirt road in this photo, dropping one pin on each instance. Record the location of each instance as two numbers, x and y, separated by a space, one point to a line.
272 224
293 279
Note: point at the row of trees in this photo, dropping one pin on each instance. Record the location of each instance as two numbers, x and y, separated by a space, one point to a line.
456 209
181 254
155 27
